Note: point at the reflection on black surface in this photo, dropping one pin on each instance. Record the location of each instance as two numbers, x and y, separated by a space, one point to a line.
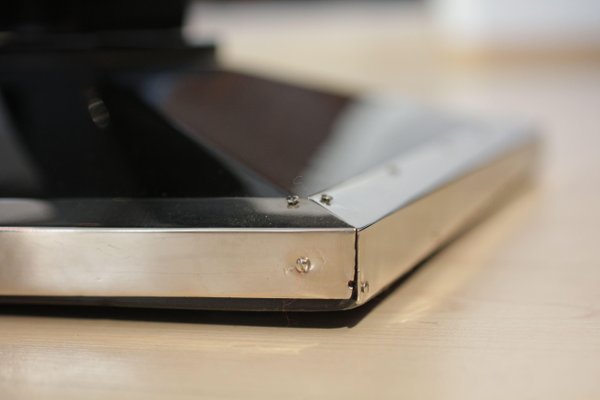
133 154
299 141
90 135
271 128
82 131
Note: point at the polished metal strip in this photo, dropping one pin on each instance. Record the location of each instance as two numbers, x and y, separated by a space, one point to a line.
395 244
405 209
226 263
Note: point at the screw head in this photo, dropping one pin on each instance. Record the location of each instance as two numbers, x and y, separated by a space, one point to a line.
98 112
326 199
303 265
364 287
293 201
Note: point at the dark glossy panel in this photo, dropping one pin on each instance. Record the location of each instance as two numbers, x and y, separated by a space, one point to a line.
78 134
73 126
272 128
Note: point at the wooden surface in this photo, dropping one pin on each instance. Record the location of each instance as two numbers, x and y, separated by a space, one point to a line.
509 310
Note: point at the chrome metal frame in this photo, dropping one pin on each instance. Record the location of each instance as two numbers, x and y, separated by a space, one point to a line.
335 250
408 207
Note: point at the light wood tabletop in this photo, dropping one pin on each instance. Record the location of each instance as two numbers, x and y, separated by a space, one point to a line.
511 309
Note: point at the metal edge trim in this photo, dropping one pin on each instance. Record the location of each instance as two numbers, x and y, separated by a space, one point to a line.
506 174
163 263
506 146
